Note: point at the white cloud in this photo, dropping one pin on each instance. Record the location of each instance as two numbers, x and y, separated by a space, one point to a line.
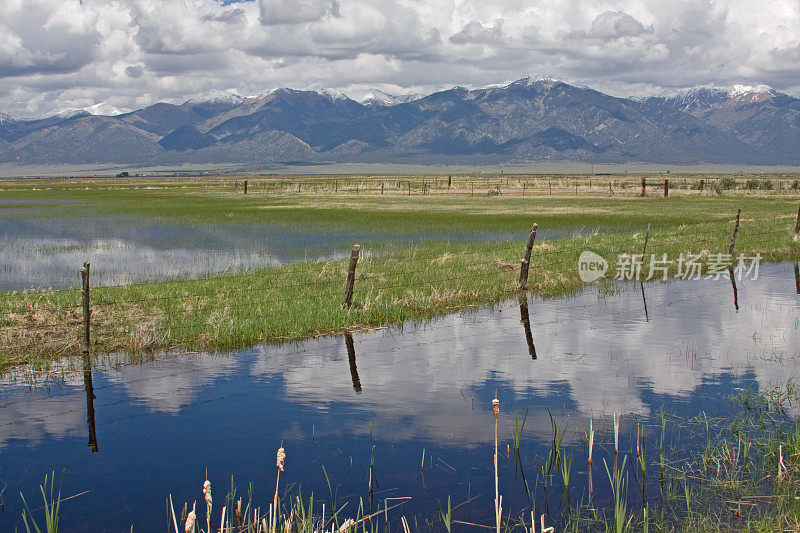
59 53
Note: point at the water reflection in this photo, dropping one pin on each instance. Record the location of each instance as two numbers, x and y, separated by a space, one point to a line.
351 356
90 398
428 386
525 320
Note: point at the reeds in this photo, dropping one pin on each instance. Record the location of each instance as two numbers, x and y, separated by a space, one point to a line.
51 506
498 500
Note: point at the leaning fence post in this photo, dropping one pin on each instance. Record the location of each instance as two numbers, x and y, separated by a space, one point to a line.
666 188
797 226
735 231
525 264
87 312
351 276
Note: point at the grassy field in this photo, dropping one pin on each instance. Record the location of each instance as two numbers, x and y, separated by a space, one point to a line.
394 284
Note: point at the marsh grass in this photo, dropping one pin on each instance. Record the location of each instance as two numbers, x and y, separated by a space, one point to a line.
413 282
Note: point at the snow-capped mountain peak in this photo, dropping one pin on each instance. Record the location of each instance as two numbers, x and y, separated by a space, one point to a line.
379 98
217 97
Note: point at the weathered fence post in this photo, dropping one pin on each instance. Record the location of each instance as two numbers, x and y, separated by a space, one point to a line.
644 186
525 264
610 189
735 231
351 276
550 186
702 185
666 188
87 312
409 187
449 182
797 226
245 186
336 186
382 184
299 185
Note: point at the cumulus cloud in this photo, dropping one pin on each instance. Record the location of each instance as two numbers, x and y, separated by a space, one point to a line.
295 11
68 53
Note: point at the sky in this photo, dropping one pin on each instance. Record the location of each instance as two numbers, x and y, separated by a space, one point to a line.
57 54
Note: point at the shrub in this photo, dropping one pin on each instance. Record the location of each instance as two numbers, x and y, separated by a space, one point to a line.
727 183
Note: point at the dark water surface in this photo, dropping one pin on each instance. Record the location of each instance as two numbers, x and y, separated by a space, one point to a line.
159 426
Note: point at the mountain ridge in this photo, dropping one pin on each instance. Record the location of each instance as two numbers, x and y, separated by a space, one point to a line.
531 119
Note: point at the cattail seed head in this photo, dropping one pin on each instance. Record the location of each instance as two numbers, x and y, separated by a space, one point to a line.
191 518
207 492
281 458
496 407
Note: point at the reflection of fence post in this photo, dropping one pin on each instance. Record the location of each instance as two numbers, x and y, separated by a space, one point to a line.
797 277
666 188
644 186
525 264
87 312
90 398
351 356
525 319
797 226
735 231
351 276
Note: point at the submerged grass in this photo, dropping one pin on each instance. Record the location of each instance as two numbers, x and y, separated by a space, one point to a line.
412 282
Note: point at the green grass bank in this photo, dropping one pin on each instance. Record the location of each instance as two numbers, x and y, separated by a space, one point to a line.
393 284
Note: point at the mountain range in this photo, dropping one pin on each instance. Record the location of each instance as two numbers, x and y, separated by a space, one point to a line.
531 119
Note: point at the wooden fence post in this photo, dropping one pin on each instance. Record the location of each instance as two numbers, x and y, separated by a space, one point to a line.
525 264
382 184
245 186
351 276
87 312
797 226
644 187
336 186
449 182
666 188
735 231
409 187
702 185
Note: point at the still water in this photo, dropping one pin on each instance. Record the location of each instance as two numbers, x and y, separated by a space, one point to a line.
133 433
41 247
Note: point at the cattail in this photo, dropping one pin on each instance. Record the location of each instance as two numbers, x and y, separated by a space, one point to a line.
281 458
591 441
616 433
191 518
207 492
498 505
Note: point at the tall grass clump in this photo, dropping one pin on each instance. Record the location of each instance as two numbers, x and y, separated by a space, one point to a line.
51 502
